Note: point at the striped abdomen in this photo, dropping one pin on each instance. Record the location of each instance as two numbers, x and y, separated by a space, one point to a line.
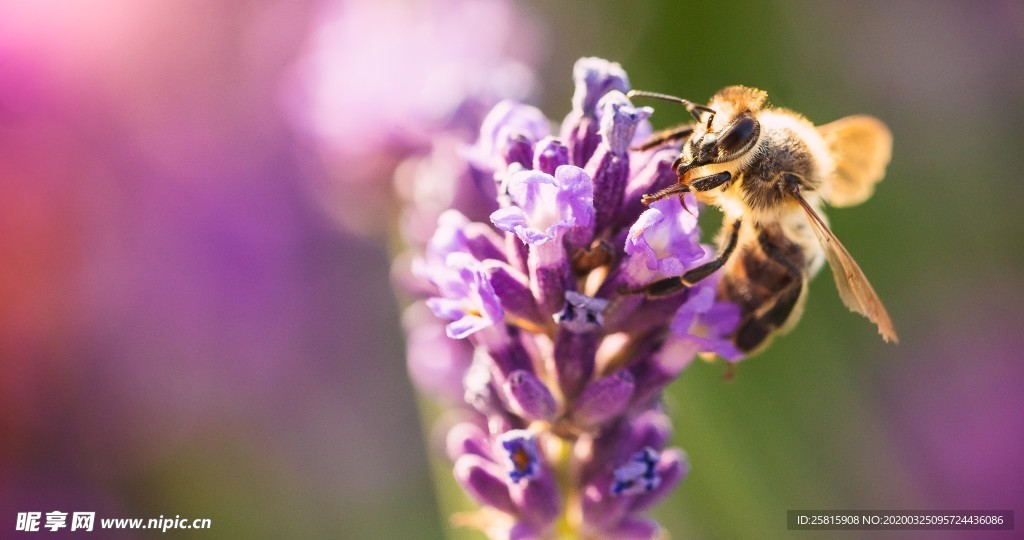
766 277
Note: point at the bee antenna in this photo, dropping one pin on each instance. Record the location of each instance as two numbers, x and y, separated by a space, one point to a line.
691 107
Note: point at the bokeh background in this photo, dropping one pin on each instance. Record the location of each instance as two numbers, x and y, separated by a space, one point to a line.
195 223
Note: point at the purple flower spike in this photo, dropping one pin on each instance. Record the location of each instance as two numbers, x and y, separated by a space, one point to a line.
546 205
655 371
507 120
503 347
518 151
604 399
483 242
550 277
544 209
448 238
638 475
528 397
513 289
524 531
670 470
522 459
601 510
636 528
468 300
537 500
569 362
595 77
656 175
619 121
665 240
436 361
478 382
483 480
704 325
650 428
609 165
549 155
582 313
467 438
574 357
454 234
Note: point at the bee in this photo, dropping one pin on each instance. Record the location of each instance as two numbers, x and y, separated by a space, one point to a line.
769 170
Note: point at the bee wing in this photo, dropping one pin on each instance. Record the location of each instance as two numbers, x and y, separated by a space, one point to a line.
854 288
861 147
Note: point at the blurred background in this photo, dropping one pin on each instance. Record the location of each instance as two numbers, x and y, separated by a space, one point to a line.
195 219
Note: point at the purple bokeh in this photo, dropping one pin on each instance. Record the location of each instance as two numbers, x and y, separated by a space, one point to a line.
177 312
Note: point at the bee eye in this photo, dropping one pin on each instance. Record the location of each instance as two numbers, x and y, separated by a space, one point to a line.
738 136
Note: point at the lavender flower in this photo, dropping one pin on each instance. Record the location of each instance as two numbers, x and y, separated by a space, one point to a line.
468 299
568 366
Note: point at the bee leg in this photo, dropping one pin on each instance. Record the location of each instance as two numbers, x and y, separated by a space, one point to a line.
708 268
707 183
677 133
703 183
659 289
671 285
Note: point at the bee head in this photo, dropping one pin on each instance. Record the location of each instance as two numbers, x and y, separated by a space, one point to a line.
734 140
728 127
733 101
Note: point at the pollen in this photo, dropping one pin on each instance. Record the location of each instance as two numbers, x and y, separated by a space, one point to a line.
520 458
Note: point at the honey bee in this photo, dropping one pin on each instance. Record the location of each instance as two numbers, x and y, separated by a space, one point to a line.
769 170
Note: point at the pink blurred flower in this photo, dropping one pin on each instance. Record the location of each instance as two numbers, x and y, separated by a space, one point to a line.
168 292
379 80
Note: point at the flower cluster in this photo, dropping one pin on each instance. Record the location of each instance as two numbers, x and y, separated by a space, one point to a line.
538 332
